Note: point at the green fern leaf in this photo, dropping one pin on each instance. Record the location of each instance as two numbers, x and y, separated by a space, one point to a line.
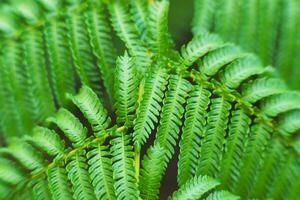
82 53
40 189
234 147
198 47
228 19
26 154
100 171
62 72
212 143
126 88
251 161
128 33
48 140
222 195
275 153
9 172
195 188
281 103
123 168
78 174
91 107
160 39
215 60
153 167
139 14
70 125
40 93
149 108
59 185
172 112
101 41
264 87
203 15
239 71
193 129
290 122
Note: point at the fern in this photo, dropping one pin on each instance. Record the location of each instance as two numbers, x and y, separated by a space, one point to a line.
91 107
58 183
153 167
211 147
42 104
195 188
60 59
101 171
101 41
79 176
126 88
193 129
123 168
148 110
82 51
232 123
126 30
264 27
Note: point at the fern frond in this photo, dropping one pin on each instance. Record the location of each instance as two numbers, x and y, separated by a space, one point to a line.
285 180
234 147
40 93
100 171
294 190
172 112
5 190
62 72
40 189
128 33
149 108
59 185
123 168
153 167
9 172
239 71
290 122
93 110
48 141
195 120
212 143
274 155
251 161
160 39
228 19
248 25
198 47
78 174
222 195
82 54
26 155
14 85
286 54
281 103
140 15
215 60
195 188
101 42
203 15
263 87
126 89
70 125
268 12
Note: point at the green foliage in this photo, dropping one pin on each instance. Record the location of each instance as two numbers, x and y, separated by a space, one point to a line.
268 28
233 125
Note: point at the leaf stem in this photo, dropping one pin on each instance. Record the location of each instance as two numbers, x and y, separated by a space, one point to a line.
137 156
